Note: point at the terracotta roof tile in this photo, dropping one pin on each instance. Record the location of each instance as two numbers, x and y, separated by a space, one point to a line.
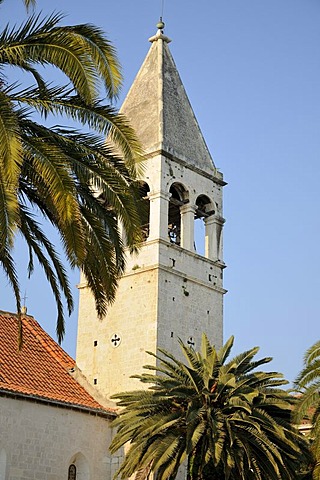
41 368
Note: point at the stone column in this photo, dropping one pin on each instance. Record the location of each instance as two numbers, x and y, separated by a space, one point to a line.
159 202
213 226
187 226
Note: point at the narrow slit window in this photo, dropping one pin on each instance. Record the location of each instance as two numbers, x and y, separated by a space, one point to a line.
72 472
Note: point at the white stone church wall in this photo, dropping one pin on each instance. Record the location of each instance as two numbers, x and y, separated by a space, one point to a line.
188 308
39 442
108 364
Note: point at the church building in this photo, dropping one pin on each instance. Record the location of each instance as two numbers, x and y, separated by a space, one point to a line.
53 425
55 413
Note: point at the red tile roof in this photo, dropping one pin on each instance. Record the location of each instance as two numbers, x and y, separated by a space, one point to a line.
41 368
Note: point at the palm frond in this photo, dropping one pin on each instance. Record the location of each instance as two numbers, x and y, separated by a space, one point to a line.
81 52
79 183
9 267
34 237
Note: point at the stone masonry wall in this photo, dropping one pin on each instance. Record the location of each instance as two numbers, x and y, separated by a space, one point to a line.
106 362
39 442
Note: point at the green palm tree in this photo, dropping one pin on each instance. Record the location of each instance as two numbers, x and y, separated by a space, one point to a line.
220 417
77 181
308 407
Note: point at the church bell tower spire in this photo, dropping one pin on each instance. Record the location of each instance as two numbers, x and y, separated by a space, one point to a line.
173 288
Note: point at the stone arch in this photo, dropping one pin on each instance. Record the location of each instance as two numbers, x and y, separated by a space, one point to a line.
205 208
144 190
80 467
179 196
3 464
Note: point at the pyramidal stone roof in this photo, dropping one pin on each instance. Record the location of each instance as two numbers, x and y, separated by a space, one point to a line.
41 370
159 109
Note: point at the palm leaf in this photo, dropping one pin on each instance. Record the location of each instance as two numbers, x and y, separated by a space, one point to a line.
76 181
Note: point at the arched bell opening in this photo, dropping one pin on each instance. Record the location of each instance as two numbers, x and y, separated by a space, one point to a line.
178 198
204 209
144 208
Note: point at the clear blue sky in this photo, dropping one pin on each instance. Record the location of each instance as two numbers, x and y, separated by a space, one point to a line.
251 69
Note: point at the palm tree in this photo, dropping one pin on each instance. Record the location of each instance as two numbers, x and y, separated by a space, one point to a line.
220 417
77 181
308 385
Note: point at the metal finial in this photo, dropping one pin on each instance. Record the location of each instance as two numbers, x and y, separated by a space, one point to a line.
160 24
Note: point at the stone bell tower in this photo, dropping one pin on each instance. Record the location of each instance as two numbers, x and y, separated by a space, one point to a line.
171 289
